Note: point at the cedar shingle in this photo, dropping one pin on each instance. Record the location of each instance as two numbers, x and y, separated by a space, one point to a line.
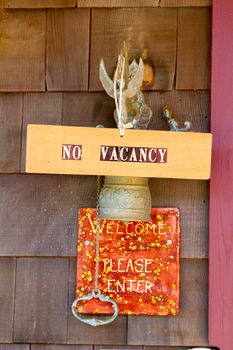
185 3
88 109
60 347
36 4
14 347
67 49
39 108
193 50
7 291
117 3
154 29
41 300
10 132
22 59
38 214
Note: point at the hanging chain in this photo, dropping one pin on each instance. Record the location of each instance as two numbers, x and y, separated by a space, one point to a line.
92 320
97 232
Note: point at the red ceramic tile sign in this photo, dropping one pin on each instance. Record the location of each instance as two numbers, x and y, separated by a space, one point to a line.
138 263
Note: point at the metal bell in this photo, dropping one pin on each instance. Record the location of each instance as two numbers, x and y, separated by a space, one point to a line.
125 198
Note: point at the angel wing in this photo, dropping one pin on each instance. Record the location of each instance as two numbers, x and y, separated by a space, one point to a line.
136 82
105 80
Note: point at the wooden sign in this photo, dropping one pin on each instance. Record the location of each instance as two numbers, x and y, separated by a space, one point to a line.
100 151
138 263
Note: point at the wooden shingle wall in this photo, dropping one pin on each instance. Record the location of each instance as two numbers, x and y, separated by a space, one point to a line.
49 56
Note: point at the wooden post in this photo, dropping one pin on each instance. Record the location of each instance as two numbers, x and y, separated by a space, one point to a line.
221 184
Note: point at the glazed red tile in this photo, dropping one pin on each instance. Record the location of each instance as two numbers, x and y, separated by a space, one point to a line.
138 263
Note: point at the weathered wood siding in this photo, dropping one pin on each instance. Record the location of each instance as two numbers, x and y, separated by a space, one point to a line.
49 56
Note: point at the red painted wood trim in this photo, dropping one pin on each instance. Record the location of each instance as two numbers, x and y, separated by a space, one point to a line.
221 184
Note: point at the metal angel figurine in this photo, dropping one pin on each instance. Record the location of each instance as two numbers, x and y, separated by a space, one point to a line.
172 123
131 109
